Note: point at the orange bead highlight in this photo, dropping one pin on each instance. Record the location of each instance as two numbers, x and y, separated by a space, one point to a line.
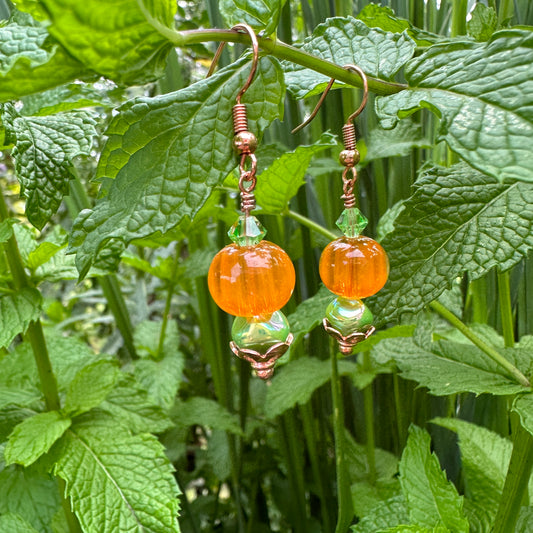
251 280
354 267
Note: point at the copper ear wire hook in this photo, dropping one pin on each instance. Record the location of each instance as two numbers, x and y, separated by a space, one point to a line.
355 114
255 48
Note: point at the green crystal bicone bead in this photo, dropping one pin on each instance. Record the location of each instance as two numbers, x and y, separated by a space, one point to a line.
247 231
260 333
352 222
348 316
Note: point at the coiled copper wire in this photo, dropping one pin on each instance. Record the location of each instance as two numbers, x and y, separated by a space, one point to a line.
240 119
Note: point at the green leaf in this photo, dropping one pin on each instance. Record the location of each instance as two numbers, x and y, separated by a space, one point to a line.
281 181
33 7
390 513
523 405
431 498
375 16
66 98
483 23
367 496
485 459
347 40
15 524
481 93
296 381
6 230
31 61
16 312
525 520
478 517
18 396
135 409
90 387
457 220
167 153
34 437
42 254
126 40
309 314
259 14
43 154
29 494
205 412
416 529
116 481
447 367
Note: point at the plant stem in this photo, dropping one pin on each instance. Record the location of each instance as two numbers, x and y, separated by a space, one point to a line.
344 496
35 335
400 415
168 302
460 10
506 310
516 481
311 224
489 350
368 399
286 52
505 12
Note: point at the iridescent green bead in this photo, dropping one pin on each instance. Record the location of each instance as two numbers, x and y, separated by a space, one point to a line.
352 222
348 316
260 333
247 231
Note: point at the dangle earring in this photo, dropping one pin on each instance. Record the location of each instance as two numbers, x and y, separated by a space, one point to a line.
252 279
352 267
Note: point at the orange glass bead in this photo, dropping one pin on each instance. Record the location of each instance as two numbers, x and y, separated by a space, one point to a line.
251 281
354 267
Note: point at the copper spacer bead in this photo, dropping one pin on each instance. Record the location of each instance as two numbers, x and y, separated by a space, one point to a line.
245 142
349 158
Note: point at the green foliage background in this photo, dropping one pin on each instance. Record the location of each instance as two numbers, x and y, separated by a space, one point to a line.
121 407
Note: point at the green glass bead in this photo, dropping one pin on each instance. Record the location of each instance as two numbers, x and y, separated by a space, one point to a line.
247 231
260 333
348 316
352 222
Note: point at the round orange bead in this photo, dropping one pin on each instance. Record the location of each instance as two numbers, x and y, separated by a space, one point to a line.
251 281
354 267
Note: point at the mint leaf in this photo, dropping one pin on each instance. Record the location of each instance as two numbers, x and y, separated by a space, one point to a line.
309 314
120 40
259 14
485 459
116 481
457 220
347 40
68 97
446 367
205 412
390 513
167 153
90 387
282 179
17 310
15 524
483 23
523 405
135 409
366 496
432 500
31 61
43 154
467 86
295 382
525 520
6 230
18 396
29 494
34 437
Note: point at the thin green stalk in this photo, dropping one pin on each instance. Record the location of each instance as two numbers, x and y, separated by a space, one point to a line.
460 10
168 302
505 12
488 350
368 400
506 310
344 496
35 335
286 52
516 481
311 224
306 412
400 412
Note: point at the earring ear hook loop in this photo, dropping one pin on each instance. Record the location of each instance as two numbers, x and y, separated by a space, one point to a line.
357 112
255 59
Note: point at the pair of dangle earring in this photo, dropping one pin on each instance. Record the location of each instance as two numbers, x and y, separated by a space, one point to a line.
353 266
252 278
